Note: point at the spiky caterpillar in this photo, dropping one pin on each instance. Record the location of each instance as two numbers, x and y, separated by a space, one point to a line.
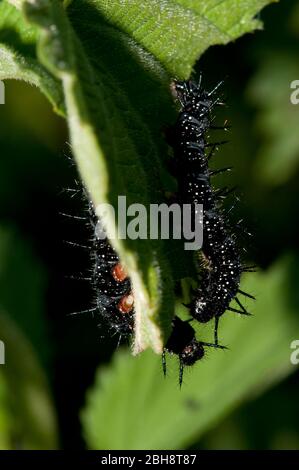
222 266
115 303
182 342
112 286
221 263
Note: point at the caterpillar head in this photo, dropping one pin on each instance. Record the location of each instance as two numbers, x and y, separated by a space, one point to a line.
192 353
183 343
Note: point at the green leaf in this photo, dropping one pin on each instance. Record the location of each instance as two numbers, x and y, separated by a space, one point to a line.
113 60
132 406
18 55
27 394
97 128
177 32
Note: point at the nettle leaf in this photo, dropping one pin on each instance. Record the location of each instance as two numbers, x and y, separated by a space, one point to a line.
177 32
99 129
132 406
18 55
114 61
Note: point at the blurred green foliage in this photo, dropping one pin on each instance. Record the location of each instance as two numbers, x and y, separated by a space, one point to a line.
30 422
232 399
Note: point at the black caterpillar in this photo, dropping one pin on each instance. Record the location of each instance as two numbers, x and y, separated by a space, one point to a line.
112 286
221 263
115 303
184 344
